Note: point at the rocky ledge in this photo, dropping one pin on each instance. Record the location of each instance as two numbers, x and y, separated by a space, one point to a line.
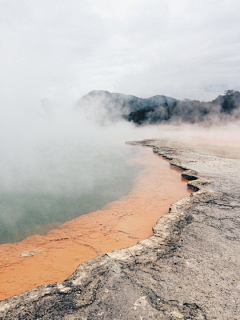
188 269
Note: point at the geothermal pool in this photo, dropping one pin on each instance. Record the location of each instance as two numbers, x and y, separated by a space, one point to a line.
61 185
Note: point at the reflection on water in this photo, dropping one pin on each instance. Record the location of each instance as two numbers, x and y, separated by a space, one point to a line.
64 185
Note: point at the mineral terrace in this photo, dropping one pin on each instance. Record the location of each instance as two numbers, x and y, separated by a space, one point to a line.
188 269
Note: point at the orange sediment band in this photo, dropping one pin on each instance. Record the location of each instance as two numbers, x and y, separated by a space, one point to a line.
46 259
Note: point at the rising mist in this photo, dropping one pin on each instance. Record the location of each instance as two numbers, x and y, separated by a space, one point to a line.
57 165
60 162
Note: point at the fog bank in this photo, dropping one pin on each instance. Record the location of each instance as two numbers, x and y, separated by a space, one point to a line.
55 162
56 165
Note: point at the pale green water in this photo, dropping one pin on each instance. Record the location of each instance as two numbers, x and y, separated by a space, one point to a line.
62 185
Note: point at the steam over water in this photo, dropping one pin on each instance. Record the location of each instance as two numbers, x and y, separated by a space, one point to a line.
55 167
61 186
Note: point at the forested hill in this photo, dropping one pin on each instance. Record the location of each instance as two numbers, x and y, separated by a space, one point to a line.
105 106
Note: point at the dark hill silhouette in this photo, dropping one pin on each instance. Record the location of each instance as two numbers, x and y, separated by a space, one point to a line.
105 106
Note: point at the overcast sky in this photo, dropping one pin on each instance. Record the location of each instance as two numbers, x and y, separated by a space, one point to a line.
62 49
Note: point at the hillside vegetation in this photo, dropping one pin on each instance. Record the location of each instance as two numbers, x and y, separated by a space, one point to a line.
105 106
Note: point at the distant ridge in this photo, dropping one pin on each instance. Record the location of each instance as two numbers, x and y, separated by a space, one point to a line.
124 100
105 107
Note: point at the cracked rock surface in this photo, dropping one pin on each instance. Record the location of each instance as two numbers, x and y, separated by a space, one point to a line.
188 269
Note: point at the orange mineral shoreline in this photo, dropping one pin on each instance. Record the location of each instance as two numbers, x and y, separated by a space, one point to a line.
39 260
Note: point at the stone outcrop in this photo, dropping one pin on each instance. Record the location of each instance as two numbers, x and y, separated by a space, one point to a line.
188 269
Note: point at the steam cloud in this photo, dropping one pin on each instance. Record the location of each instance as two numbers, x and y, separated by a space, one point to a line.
52 155
55 165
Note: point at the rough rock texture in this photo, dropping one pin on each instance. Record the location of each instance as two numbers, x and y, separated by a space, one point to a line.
189 268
